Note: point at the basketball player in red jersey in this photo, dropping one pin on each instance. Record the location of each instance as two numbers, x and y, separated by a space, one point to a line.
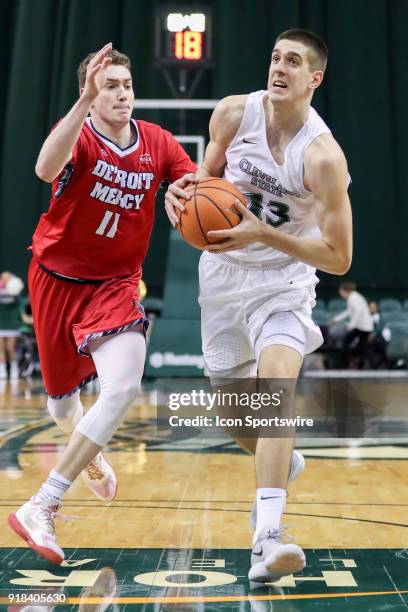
257 286
105 169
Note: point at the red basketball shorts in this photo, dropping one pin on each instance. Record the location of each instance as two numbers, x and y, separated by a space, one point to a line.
68 315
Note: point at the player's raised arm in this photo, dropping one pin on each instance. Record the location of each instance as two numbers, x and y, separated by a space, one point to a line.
224 124
57 148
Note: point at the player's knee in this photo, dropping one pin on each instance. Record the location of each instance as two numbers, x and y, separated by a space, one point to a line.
278 371
63 408
119 401
121 393
129 391
66 412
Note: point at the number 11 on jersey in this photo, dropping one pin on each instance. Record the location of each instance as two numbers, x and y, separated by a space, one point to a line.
104 224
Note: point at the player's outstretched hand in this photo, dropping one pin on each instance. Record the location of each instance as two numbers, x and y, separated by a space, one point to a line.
249 230
96 72
174 192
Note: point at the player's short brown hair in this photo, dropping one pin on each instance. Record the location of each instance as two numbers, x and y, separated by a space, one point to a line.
118 59
348 286
317 45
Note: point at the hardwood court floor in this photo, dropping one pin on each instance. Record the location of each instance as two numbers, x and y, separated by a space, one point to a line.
187 505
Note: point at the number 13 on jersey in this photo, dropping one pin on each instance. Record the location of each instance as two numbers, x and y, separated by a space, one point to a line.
274 213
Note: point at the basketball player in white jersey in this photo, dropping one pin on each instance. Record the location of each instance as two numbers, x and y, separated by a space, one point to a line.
257 286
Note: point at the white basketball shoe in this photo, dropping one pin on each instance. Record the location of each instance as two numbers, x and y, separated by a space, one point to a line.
34 522
100 478
271 560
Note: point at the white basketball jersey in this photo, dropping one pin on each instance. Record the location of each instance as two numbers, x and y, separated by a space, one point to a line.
274 192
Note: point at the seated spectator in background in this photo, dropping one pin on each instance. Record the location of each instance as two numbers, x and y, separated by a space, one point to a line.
359 326
10 288
335 332
378 339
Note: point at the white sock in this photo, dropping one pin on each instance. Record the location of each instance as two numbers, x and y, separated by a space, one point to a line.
270 504
3 370
53 488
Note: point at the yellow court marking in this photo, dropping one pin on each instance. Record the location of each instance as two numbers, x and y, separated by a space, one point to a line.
209 599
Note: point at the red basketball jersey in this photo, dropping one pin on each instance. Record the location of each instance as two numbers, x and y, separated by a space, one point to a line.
101 210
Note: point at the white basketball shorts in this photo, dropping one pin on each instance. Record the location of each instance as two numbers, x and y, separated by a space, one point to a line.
246 307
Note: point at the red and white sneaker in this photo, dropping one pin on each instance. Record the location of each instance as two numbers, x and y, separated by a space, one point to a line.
34 522
100 478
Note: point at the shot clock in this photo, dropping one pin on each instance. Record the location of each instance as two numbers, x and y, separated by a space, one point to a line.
183 36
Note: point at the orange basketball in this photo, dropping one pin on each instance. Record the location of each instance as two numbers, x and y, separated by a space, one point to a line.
209 207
